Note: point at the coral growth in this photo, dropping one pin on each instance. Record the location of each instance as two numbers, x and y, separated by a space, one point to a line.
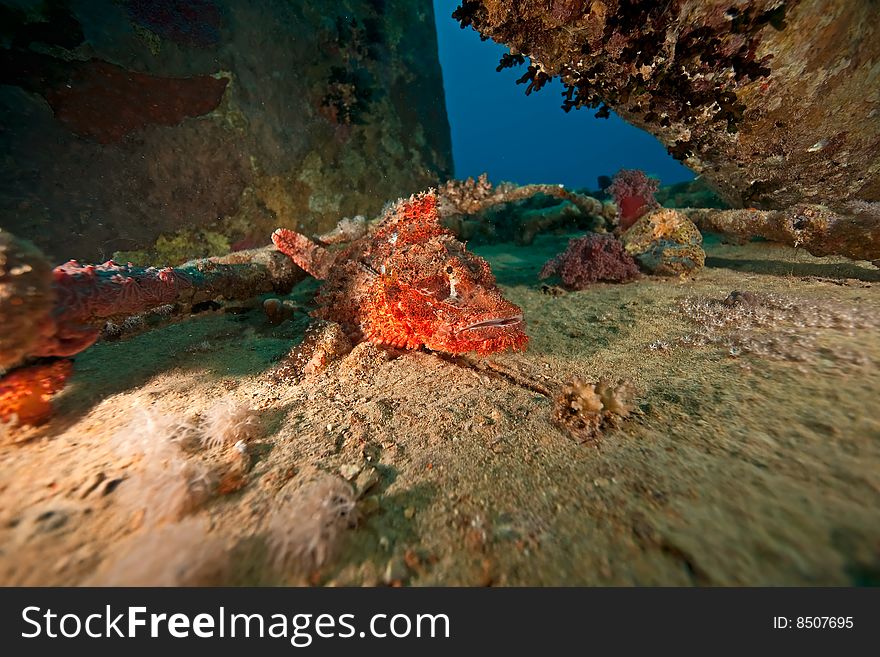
167 485
348 96
772 325
410 283
467 197
229 421
852 231
60 312
306 529
590 259
352 49
584 409
665 242
633 193
165 194
475 210
177 554
25 393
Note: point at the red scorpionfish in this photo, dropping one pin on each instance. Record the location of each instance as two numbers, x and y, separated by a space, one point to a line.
409 283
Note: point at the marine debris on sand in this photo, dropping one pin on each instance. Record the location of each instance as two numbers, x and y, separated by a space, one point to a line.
60 312
853 231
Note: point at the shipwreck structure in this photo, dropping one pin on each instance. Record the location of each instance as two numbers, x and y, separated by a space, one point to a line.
774 102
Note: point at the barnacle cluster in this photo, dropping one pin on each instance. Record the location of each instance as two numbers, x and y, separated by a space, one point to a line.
584 409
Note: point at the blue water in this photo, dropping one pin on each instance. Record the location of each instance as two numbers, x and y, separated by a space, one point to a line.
528 139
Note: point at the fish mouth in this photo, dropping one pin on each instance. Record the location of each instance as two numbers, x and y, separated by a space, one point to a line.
495 322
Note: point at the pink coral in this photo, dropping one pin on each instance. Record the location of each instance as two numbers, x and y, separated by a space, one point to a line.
590 259
633 192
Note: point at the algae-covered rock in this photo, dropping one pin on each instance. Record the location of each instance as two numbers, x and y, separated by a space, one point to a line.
165 131
773 102
26 298
665 242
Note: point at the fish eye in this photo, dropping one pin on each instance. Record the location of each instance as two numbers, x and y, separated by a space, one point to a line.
449 269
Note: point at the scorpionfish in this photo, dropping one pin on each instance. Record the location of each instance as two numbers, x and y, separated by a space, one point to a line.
410 283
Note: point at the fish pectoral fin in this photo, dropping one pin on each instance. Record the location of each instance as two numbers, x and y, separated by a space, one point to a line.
311 257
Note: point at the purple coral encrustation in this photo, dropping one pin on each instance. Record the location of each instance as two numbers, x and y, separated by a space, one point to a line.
590 259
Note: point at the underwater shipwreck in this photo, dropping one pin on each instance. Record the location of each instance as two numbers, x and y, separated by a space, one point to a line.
254 330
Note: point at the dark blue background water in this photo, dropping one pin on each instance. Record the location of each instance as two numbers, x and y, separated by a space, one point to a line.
529 139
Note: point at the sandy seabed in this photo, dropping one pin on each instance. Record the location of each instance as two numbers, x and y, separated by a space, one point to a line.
752 458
